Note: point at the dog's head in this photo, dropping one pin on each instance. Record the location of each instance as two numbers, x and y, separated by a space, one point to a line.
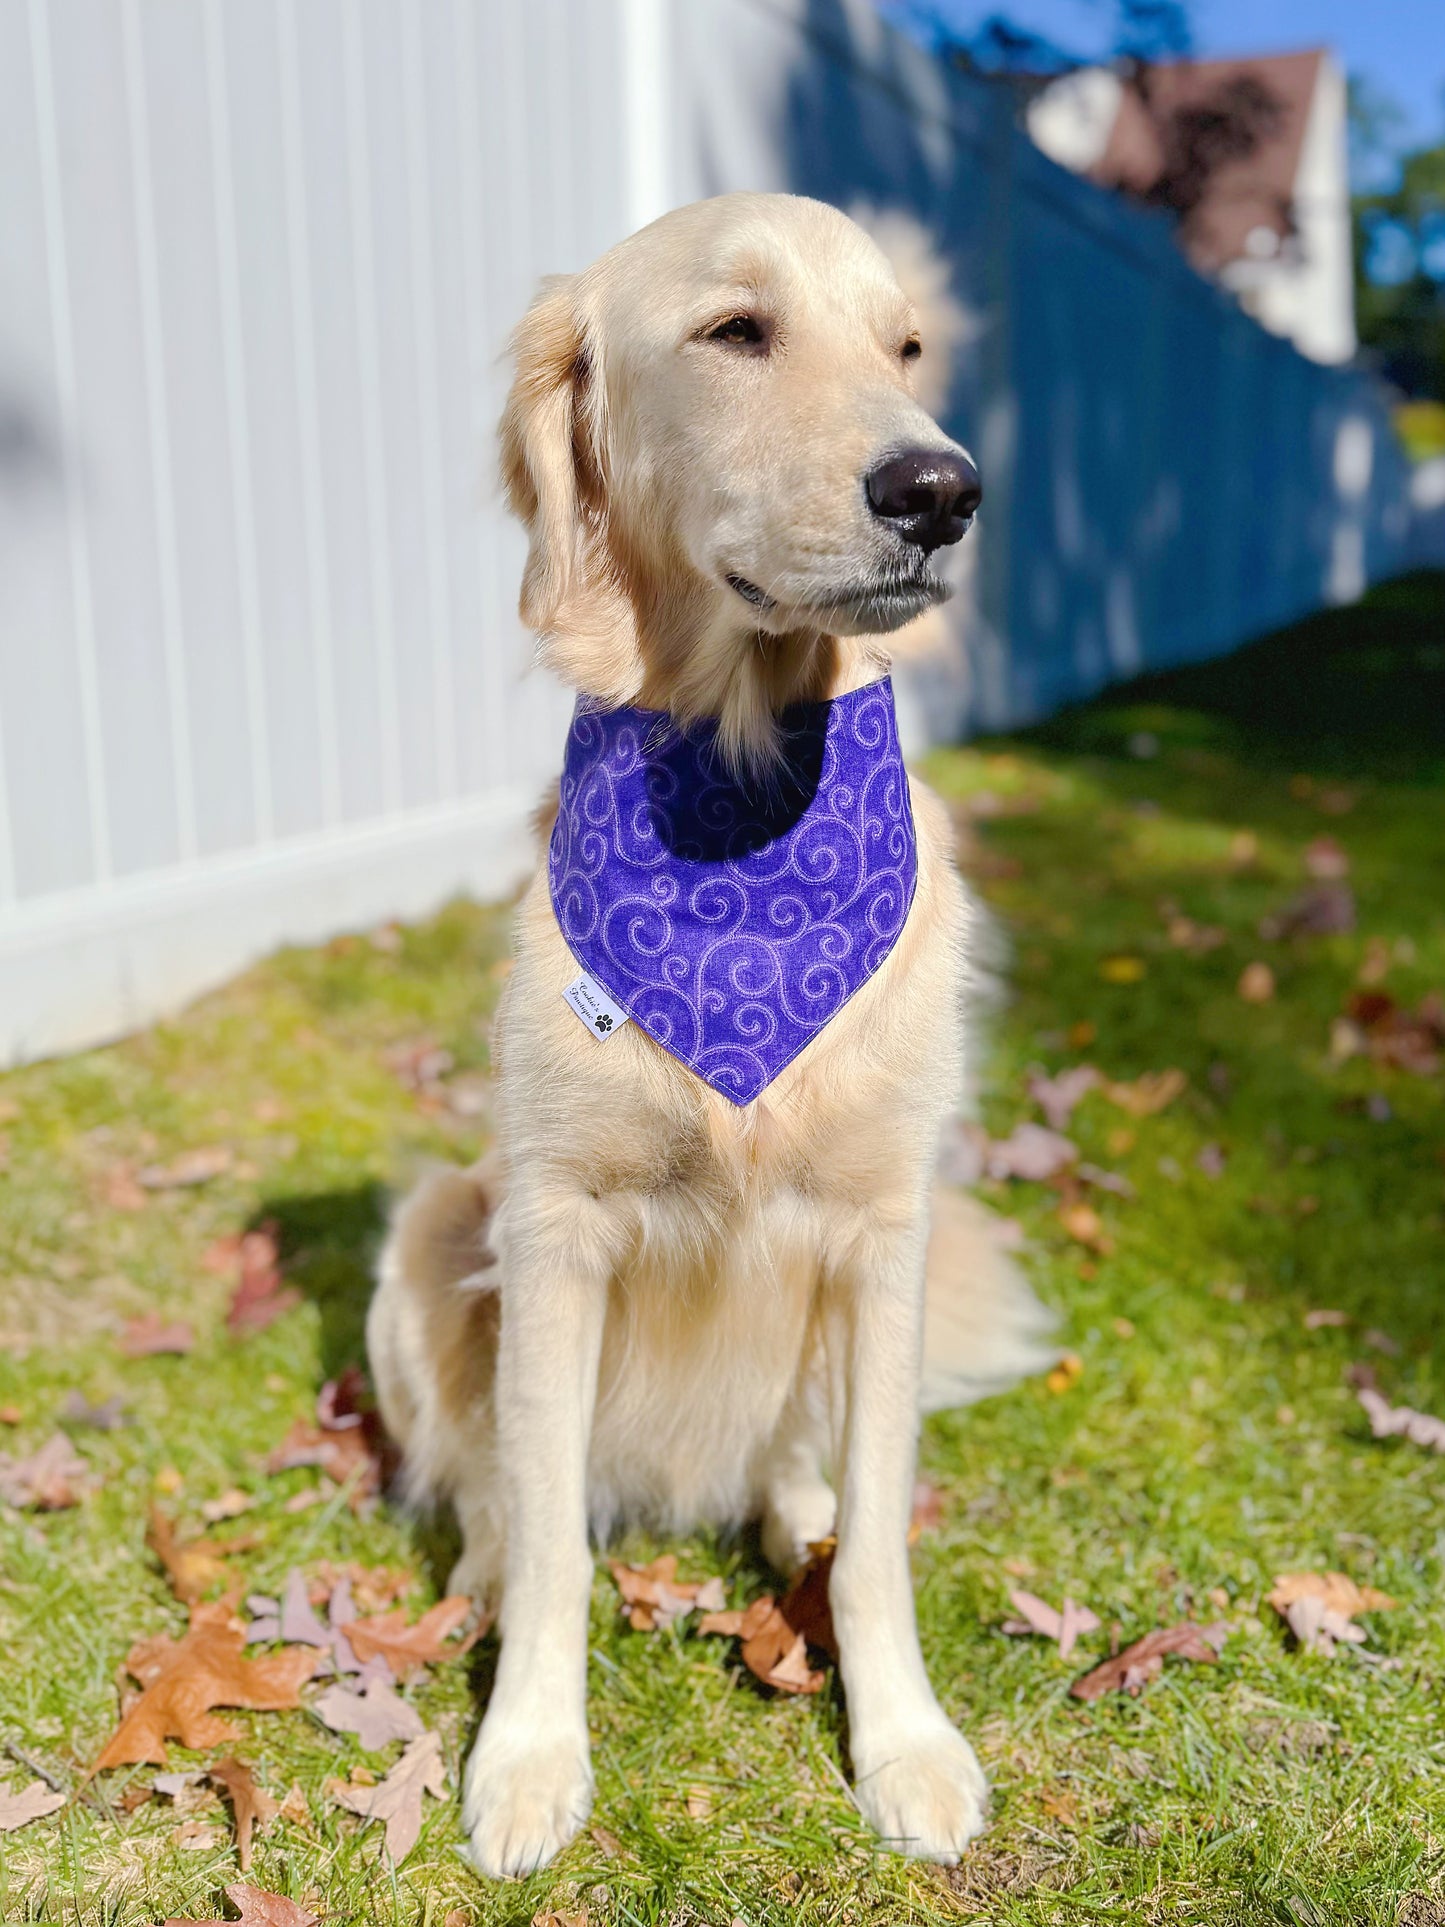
715 442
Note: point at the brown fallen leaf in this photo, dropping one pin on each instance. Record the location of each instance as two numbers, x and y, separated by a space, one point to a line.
143 1337
258 1298
1029 1152
11 1415
775 1652
1061 1804
699 1803
32 1802
1086 1227
1131 1670
1402 1421
376 1715
196 1836
191 1566
1408 1040
251 1805
1324 910
654 1596
1319 1608
182 1680
257 1909
1335 1589
776 1637
346 1441
107 1416
1037 1617
199 1166
1058 1097
47 1479
374 1588
398 1799
404 1648
230 1505
806 1605
1322 1317
1256 983
1148 1094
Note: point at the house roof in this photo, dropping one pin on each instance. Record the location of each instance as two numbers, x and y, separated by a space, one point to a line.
1237 194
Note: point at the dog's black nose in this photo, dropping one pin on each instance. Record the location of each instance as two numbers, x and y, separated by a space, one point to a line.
927 494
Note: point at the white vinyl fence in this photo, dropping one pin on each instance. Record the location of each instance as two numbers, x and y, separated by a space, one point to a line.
261 676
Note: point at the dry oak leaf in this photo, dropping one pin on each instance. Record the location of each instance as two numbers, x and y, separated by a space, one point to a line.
182 1680
1148 1094
653 1596
374 1588
1402 1421
774 1651
346 1441
32 1802
46 1479
397 1800
775 1641
1132 1669
258 1299
143 1337
1319 1608
1057 1097
191 1566
1334 1589
207 1161
1038 1617
376 1715
257 1909
387 1636
1029 1152
251 1805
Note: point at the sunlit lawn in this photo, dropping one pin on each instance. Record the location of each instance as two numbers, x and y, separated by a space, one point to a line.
1211 1440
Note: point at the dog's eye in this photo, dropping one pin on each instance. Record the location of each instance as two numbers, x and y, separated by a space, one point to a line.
739 331
912 348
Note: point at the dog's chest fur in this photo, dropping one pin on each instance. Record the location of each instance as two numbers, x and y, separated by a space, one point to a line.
721 1227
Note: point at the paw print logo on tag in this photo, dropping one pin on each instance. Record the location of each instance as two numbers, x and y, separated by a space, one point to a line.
596 1009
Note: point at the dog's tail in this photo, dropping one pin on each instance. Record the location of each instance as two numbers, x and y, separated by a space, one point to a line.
983 1328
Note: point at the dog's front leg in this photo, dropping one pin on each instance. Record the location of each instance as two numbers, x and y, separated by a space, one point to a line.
916 1778
529 1780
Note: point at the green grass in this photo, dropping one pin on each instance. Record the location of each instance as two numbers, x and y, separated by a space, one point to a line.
1210 1441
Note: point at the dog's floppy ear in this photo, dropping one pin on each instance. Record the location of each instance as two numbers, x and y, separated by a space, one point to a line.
554 473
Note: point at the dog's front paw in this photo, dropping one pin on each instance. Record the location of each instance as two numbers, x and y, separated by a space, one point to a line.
925 1794
523 1801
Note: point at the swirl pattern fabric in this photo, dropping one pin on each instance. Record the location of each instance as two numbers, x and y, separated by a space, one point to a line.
733 926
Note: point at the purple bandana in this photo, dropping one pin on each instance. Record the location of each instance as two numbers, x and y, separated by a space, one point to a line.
733 927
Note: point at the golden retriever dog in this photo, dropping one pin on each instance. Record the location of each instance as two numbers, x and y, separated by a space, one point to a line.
653 1302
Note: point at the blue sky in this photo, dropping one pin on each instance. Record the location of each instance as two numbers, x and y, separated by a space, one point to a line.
1397 44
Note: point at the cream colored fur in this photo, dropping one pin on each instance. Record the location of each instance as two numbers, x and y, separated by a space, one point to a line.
653 1304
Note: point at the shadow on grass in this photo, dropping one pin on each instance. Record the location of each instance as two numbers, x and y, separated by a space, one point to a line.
1334 727
329 1242
1355 692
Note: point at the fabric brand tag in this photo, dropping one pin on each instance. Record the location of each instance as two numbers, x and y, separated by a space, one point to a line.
595 1007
